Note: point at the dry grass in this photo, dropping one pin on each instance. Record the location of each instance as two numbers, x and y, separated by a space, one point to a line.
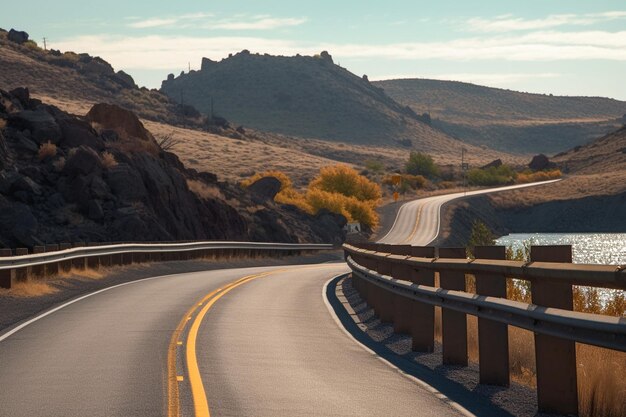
108 160
204 191
85 273
46 150
29 289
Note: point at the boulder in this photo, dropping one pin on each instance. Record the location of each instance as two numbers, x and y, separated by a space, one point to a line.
326 57
41 124
83 161
17 36
27 185
94 210
541 162
122 121
78 133
21 142
98 66
495 164
124 79
265 189
18 223
22 95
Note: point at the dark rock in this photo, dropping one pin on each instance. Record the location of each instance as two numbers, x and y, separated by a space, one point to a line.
98 66
541 162
82 162
126 183
265 189
95 211
55 52
170 77
241 130
78 133
187 110
326 57
17 36
18 222
26 185
21 142
99 189
55 201
43 127
219 122
365 78
109 135
495 164
125 80
22 94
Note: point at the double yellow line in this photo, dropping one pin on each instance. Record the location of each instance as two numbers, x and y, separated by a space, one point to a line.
201 405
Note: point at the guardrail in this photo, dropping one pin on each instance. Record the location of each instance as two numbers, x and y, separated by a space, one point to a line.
49 260
399 283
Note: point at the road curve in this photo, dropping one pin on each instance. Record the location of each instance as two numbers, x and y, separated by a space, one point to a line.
418 221
269 347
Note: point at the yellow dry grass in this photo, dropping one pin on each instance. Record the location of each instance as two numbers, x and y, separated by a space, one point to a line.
29 289
204 191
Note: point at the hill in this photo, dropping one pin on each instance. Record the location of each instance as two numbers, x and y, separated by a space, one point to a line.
508 120
304 96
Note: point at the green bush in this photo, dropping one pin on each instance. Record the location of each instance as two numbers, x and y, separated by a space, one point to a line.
501 175
421 164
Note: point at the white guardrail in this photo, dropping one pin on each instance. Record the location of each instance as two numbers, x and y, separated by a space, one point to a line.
23 267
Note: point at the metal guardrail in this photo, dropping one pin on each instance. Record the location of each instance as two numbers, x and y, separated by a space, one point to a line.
399 283
47 263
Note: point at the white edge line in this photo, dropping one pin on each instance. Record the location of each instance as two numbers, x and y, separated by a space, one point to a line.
438 394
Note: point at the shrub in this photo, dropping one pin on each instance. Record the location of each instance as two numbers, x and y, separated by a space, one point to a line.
481 236
204 191
375 166
501 175
421 164
344 180
46 150
31 44
528 176
108 160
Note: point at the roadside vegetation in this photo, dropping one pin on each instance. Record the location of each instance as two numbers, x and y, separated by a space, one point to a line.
600 371
337 188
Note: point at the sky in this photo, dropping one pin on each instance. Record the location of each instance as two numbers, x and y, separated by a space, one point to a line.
540 46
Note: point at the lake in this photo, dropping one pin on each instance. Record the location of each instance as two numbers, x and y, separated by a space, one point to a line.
587 248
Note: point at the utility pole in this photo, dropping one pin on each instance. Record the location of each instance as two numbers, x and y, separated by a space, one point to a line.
45 45
189 66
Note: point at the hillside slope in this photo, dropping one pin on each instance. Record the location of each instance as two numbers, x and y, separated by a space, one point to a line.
303 96
508 120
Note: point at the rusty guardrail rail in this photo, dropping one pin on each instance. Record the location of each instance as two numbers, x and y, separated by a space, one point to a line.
398 281
51 259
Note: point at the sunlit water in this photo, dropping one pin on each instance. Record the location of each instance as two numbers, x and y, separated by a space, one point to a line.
587 248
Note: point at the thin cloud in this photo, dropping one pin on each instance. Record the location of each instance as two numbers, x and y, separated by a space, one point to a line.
507 23
492 79
208 21
166 52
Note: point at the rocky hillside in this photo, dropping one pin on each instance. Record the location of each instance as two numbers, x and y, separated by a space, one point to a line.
103 177
604 155
78 77
303 96
508 120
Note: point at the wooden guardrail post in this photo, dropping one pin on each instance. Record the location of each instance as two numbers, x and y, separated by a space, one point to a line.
52 268
7 276
24 273
422 323
557 390
453 323
93 262
65 266
400 313
79 263
384 300
493 337
38 271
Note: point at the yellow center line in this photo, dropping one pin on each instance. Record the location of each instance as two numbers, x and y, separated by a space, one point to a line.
417 222
201 405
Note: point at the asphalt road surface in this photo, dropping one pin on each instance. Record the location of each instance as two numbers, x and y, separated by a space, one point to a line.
265 346
418 221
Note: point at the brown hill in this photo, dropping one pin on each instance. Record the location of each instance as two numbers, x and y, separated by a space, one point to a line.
304 96
508 120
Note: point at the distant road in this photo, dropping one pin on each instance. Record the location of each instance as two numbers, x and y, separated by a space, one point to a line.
418 221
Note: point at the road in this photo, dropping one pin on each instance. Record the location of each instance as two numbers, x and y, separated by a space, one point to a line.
266 346
418 221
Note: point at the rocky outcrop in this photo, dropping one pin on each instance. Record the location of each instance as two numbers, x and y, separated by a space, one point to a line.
493 164
17 36
541 162
104 178
265 189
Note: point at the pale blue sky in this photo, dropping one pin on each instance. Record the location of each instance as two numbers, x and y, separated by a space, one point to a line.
545 46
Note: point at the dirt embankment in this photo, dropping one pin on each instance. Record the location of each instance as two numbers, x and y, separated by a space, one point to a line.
587 214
